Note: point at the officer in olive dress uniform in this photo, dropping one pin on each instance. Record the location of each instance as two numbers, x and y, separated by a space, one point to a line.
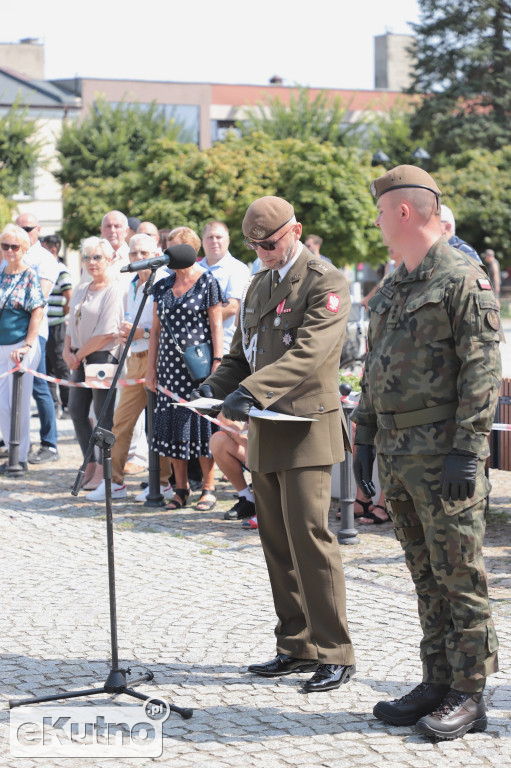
429 392
285 357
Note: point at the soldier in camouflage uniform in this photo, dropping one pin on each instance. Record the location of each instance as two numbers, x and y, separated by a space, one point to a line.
429 392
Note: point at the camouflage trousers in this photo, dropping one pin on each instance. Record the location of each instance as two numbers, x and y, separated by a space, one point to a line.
442 542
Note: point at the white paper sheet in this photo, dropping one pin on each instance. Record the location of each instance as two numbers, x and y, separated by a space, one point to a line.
255 413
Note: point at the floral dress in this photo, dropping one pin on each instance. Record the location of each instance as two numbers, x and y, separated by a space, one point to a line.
177 432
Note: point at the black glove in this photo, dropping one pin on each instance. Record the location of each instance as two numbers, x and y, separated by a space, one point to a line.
363 469
203 391
237 405
459 476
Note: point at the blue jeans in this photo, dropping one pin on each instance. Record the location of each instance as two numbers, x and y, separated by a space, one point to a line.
44 401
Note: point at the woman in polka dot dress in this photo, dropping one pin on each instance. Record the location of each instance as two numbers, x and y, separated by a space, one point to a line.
190 301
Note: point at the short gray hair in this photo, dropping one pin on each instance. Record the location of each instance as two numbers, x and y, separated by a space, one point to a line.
19 233
118 213
91 244
146 242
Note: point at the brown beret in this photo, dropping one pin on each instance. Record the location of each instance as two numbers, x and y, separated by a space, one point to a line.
402 177
265 215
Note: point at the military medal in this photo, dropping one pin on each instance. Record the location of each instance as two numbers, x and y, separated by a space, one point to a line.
287 339
279 310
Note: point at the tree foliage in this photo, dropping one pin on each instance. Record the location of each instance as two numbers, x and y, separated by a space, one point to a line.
477 187
19 151
111 138
391 132
302 118
176 184
463 62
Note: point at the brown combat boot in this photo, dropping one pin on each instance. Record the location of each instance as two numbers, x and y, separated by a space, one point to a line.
459 713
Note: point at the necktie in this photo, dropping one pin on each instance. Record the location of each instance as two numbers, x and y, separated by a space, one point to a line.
275 279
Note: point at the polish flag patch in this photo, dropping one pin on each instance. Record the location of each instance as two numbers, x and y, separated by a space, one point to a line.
484 284
333 302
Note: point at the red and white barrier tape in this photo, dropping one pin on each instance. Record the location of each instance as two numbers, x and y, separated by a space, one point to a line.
130 382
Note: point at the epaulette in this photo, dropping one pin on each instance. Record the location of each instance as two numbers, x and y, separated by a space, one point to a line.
318 265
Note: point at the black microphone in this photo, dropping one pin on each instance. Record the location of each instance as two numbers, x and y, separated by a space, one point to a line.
176 257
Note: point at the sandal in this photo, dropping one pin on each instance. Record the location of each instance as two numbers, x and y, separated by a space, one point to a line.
179 499
371 519
365 509
205 506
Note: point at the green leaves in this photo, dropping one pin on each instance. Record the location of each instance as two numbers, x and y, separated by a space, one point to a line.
463 63
19 151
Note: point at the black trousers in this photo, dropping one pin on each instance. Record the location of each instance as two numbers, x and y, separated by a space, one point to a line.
55 365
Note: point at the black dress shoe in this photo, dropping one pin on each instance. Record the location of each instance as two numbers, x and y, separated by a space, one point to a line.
243 508
327 677
458 713
283 664
422 700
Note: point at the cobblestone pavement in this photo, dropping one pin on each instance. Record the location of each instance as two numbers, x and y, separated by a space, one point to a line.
194 607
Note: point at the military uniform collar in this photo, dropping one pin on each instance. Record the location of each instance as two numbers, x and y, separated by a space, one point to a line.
427 266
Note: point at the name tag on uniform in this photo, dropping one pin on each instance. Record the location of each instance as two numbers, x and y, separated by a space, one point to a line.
249 310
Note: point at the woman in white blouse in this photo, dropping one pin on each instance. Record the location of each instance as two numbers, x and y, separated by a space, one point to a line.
95 317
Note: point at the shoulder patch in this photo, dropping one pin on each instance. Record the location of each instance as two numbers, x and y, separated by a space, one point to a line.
484 284
492 318
333 302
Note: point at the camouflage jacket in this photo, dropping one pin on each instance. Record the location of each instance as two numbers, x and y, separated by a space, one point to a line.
433 341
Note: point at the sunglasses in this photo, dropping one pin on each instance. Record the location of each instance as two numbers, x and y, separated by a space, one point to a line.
10 247
266 245
95 257
28 229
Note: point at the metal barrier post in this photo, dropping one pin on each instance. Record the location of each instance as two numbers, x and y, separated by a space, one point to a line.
154 497
14 468
347 534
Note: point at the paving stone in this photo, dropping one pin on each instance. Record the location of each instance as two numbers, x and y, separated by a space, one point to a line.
194 607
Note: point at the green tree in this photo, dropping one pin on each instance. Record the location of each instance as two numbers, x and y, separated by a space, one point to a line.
177 184
463 62
19 150
108 142
391 132
477 187
303 118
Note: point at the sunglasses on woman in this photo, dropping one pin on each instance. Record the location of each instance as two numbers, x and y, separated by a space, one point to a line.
94 257
10 247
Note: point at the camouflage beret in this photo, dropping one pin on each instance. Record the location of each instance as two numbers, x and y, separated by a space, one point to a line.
402 177
265 216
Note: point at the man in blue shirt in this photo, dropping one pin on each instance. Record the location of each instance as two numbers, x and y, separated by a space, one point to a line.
232 274
448 224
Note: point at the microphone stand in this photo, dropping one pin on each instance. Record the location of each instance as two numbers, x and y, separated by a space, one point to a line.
116 682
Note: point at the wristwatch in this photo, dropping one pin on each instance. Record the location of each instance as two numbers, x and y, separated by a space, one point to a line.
146 333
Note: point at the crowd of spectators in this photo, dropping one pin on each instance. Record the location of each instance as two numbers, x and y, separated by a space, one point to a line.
81 324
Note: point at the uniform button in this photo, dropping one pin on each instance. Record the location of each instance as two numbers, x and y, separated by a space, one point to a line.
286 325
321 409
260 350
263 328
270 395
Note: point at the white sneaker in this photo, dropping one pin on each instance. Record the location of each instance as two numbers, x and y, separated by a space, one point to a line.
167 493
118 492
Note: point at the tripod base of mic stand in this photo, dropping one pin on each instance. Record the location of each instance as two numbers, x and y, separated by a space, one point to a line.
115 684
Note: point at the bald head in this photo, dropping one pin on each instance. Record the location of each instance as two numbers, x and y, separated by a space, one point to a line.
30 224
148 228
